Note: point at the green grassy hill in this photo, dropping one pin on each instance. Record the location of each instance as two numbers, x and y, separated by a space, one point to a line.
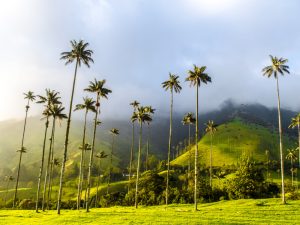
233 139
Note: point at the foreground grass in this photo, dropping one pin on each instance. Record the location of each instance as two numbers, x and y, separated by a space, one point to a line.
268 211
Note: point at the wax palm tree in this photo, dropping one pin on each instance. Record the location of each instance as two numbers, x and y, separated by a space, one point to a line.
173 84
135 104
114 132
197 77
141 116
80 55
29 96
101 155
8 179
151 111
296 123
98 88
278 66
189 120
87 105
210 128
56 112
292 156
50 99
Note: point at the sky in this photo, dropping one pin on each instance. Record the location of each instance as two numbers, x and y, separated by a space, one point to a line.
137 43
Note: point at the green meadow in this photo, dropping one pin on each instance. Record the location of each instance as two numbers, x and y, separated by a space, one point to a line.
245 211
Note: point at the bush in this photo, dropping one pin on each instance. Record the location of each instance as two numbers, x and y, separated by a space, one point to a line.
27 204
115 198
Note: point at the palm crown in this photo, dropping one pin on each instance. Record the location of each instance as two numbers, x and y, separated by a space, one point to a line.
88 104
135 104
56 111
295 121
277 66
173 83
98 87
114 131
50 98
291 154
188 119
141 115
198 76
30 96
210 128
101 155
78 53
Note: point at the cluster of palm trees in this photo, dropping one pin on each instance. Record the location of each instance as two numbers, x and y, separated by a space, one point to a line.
196 77
80 55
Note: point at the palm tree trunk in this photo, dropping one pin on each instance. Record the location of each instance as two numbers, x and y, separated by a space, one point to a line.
51 166
91 154
210 167
98 182
82 179
48 166
42 166
169 147
189 149
63 165
110 164
280 145
299 141
138 167
131 156
292 172
147 149
81 163
196 152
21 153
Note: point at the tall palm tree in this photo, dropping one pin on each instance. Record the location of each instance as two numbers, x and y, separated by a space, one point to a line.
141 116
296 123
173 84
114 132
197 77
278 66
151 111
135 104
101 155
81 55
50 99
56 111
98 88
210 128
8 179
87 105
30 97
189 120
292 156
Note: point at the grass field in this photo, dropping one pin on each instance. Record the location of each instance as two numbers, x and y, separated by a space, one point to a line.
266 211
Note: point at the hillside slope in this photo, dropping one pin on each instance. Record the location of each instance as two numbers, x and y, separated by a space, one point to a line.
233 139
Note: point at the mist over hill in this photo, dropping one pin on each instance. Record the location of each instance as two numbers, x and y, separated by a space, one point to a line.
11 134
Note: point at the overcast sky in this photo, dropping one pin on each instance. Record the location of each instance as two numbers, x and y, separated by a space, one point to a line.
136 43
